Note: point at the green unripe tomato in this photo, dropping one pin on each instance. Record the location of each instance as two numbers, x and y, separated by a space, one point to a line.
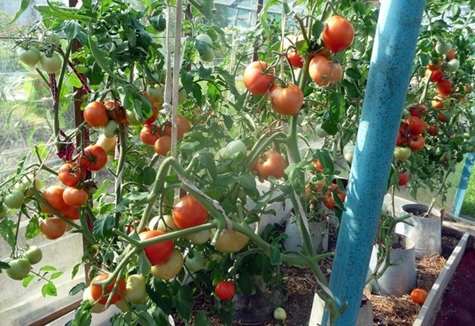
19 268
235 147
30 56
280 314
135 291
196 262
34 255
15 199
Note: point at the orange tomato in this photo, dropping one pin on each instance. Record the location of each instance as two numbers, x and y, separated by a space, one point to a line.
419 296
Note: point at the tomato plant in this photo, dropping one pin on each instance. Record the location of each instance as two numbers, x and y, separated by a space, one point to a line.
189 212
225 290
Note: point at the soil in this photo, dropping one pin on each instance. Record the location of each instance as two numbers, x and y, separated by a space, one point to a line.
459 296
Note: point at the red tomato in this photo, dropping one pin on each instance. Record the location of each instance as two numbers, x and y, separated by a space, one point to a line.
438 101
451 54
403 179
273 164
419 296
434 65
437 75
149 134
416 143
98 293
70 174
317 165
295 59
157 252
442 117
72 213
75 197
95 114
416 125
445 86
338 33
418 110
53 196
328 200
323 71
225 290
53 227
115 111
433 130
183 126
94 158
286 100
163 145
258 77
188 212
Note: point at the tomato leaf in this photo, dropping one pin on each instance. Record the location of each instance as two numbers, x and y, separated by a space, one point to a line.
47 268
275 257
4 265
49 289
33 228
206 160
41 149
24 5
103 226
83 316
185 302
77 288
7 228
317 29
27 280
159 293
158 22
55 275
201 318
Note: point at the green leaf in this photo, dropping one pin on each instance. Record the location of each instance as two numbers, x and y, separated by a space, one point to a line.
77 288
317 29
159 293
49 289
27 280
149 175
32 228
7 230
143 263
206 160
75 270
82 316
101 190
55 275
47 268
185 300
103 226
158 23
201 318
4 265
23 6
41 149
275 257
353 73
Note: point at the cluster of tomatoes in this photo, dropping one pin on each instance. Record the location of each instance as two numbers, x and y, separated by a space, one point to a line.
166 261
319 189
410 137
287 99
41 53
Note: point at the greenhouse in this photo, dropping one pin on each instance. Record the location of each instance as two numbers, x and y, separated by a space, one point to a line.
237 162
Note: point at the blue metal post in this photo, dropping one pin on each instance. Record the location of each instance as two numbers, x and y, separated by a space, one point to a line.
462 188
391 64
